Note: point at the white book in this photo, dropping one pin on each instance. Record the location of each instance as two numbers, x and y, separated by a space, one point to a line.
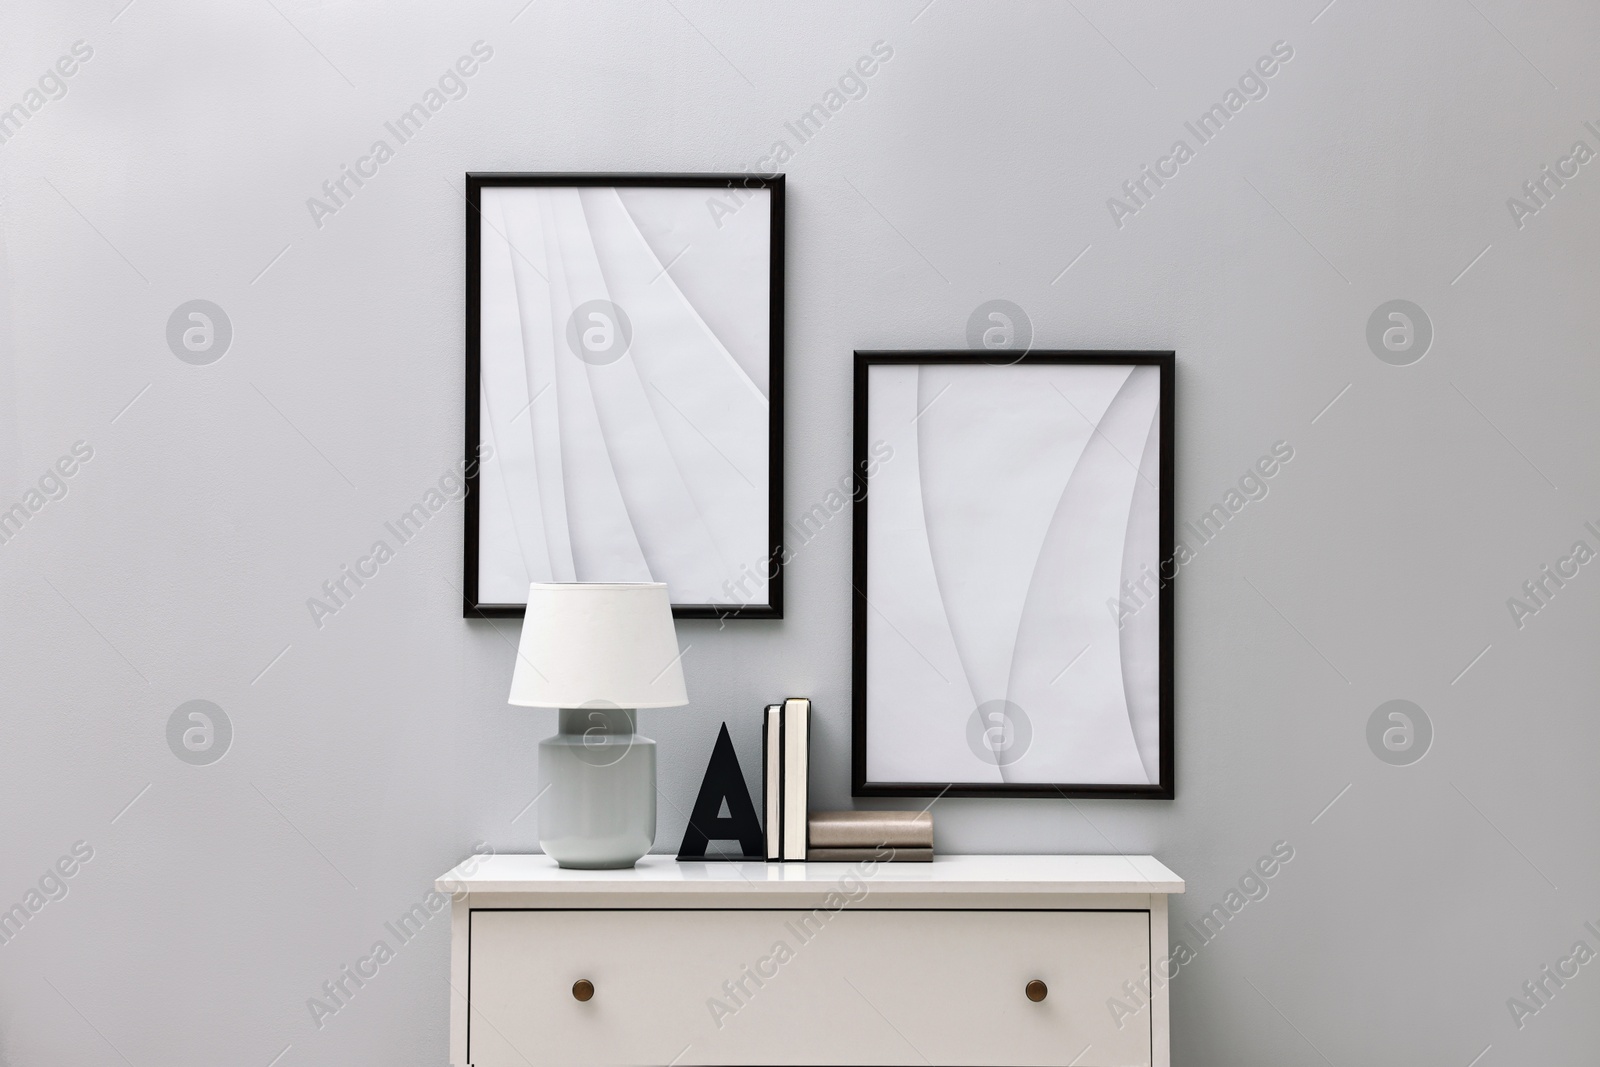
772 779
796 775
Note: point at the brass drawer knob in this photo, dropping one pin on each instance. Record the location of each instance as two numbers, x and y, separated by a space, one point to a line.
583 989
1036 990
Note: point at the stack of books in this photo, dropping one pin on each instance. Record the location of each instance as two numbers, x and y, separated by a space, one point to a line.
870 835
847 836
785 772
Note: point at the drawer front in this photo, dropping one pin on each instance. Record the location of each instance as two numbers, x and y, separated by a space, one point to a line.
789 986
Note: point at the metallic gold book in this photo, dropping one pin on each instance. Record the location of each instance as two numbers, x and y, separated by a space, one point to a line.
867 829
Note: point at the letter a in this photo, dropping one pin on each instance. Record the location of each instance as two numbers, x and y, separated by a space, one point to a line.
1519 210
1118 1009
318 1010
1519 1011
724 783
318 610
718 1010
319 209
718 208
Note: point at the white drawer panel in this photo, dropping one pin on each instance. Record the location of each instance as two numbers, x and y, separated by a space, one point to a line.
865 986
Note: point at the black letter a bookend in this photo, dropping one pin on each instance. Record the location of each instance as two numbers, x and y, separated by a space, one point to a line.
724 781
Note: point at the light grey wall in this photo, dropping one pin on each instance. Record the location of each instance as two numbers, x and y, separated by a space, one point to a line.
376 750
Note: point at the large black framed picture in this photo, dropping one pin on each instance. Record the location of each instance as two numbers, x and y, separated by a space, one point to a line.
1013 574
624 388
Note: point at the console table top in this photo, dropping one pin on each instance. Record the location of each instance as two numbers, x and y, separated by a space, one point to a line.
538 873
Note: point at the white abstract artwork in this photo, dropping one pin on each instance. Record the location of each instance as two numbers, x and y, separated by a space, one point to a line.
625 381
1010 608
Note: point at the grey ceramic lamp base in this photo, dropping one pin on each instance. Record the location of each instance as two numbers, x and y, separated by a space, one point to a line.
599 808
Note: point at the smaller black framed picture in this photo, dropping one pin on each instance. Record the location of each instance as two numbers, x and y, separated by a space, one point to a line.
1013 566
624 388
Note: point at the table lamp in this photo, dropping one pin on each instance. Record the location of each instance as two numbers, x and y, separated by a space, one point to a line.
598 652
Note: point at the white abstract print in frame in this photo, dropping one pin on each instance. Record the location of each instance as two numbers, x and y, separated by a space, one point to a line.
1019 500
624 362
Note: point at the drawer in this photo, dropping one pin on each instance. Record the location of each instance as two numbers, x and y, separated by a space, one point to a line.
793 986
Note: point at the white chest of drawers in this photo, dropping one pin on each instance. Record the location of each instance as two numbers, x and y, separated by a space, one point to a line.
813 963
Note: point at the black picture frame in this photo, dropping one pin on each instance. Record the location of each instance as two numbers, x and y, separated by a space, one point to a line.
1165 787
476 182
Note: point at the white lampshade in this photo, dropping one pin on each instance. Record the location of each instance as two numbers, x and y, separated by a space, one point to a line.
587 643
